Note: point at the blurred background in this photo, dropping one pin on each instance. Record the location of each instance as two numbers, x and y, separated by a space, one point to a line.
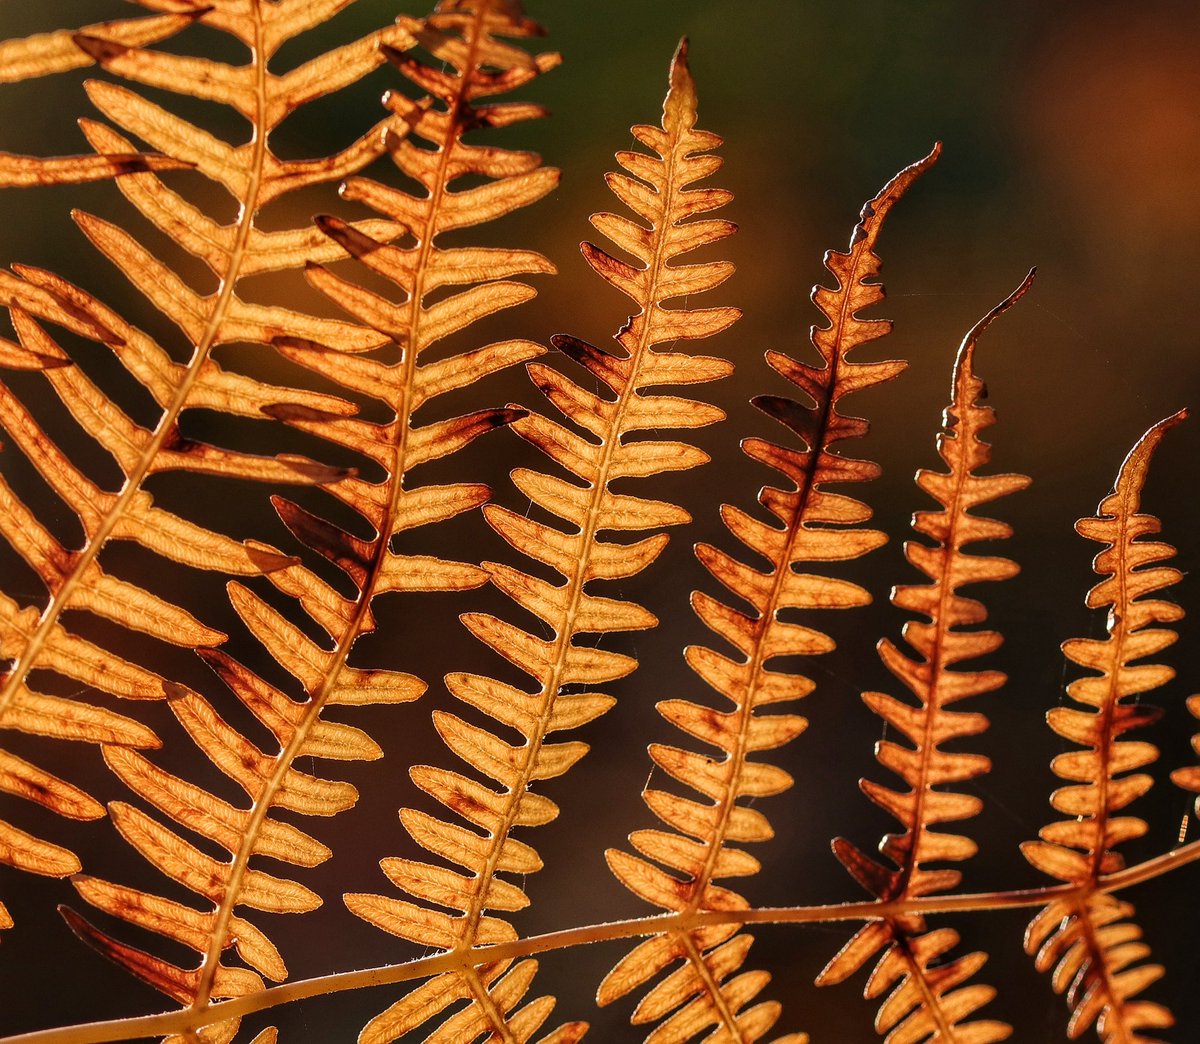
1072 141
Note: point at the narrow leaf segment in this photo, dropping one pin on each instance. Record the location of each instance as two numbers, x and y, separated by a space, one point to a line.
1090 940
811 524
453 909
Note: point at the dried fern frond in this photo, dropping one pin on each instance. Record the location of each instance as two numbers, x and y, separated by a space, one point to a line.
659 193
1088 938
930 1001
814 525
74 579
271 781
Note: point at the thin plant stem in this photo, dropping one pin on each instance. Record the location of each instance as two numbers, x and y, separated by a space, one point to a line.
143 1026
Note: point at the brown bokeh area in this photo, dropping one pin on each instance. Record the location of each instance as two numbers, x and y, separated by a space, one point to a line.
1071 142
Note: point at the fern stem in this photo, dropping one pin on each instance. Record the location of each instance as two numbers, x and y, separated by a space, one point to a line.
143 1026
224 912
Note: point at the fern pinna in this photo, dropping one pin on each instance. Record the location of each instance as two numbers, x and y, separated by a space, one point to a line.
814 525
271 780
33 640
929 1001
658 193
1087 937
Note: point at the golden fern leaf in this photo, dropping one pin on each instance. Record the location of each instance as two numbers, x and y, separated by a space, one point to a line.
74 579
659 194
816 525
1089 935
930 1001
271 781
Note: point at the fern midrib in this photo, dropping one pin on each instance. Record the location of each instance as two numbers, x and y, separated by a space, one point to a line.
930 1001
478 990
901 937
704 973
1117 638
354 629
757 661
208 968
1114 1007
716 843
566 632
60 600
951 551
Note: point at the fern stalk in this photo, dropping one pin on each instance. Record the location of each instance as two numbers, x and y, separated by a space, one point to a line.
136 1027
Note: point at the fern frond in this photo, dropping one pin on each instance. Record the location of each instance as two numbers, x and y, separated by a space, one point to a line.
391 507
659 193
1089 938
814 525
74 579
931 1001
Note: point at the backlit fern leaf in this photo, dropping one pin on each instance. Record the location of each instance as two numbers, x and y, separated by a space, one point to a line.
1089 938
815 525
658 193
75 581
271 780
930 1001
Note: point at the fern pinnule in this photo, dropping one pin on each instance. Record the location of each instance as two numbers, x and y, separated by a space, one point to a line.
1088 937
59 51
930 1001
659 193
814 525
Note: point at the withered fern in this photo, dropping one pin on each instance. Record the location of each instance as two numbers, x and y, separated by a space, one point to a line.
929 1000
814 524
1087 937
409 263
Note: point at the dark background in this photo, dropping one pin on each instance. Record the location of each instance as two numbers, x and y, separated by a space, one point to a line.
1072 137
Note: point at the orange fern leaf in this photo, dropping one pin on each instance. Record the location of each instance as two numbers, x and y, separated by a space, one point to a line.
659 193
58 51
75 581
1089 935
271 781
816 525
930 1001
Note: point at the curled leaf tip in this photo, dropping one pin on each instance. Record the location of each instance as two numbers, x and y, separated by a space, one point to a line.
964 362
